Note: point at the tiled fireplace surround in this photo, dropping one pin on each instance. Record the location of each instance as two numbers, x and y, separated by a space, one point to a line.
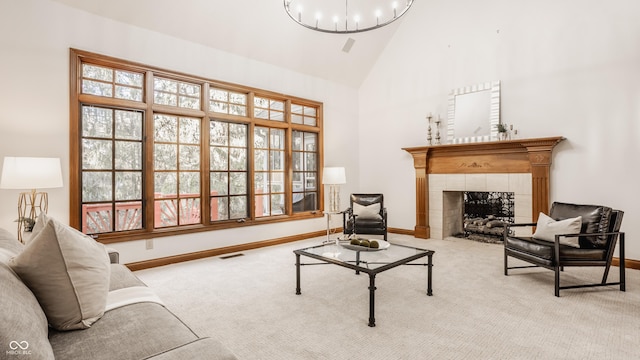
443 172
446 198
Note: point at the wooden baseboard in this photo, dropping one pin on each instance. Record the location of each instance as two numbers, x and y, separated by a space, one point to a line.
146 264
401 231
628 263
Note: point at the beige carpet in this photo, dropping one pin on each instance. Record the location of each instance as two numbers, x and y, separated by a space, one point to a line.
249 303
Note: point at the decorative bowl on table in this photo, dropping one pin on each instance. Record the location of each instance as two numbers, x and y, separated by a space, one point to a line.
360 244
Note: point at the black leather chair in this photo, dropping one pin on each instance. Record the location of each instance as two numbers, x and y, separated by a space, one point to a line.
597 240
362 219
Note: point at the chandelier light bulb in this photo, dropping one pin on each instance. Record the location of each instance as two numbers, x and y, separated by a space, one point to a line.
348 9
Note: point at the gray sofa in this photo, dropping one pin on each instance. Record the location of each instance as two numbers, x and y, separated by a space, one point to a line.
140 330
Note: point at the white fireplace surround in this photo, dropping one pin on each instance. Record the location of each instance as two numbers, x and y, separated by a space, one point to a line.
444 215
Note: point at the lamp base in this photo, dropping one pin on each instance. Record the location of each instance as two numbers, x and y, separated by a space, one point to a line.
28 205
334 198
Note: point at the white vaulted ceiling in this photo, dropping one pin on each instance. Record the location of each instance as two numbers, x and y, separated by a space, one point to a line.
257 29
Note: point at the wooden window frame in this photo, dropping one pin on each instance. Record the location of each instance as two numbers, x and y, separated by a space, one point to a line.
149 108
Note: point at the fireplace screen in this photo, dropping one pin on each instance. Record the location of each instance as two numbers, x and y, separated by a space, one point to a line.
485 214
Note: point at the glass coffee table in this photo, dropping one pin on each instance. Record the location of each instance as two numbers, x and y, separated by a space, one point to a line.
370 262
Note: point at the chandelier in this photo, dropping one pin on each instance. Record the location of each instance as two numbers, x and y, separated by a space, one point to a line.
345 16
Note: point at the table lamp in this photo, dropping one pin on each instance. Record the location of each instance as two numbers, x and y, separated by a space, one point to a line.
334 176
30 173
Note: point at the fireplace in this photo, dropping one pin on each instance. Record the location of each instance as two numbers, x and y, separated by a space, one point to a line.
477 215
521 167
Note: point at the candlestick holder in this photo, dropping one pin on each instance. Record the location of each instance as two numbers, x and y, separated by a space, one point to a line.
438 131
429 129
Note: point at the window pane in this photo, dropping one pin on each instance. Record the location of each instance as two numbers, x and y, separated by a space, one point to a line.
165 85
263 205
129 78
96 154
277 115
310 181
238 159
166 128
237 98
189 102
238 134
97 122
97 72
128 185
189 131
97 88
276 105
190 90
297 161
128 93
165 184
219 158
96 186
296 109
165 157
219 133
97 218
128 155
219 208
310 161
277 204
219 183
261 160
165 99
238 183
277 160
128 125
310 141
189 157
277 182
219 107
189 183
189 211
261 138
261 183
238 207
277 139
129 215
166 213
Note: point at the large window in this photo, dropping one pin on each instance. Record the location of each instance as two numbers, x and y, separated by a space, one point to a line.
154 158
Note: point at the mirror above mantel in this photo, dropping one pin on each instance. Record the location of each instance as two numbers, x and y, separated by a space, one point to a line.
474 113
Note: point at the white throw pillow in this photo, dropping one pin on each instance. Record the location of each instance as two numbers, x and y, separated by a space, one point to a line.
547 228
68 272
367 212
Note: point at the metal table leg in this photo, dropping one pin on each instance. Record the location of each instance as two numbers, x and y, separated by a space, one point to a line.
429 277
298 274
372 299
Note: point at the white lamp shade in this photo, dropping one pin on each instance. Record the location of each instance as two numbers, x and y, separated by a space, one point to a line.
31 173
334 176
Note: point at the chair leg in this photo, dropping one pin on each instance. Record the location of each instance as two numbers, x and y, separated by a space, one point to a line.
622 263
557 280
506 267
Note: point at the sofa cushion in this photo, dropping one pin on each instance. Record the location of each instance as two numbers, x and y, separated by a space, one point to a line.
203 348
9 245
135 331
23 325
547 228
68 272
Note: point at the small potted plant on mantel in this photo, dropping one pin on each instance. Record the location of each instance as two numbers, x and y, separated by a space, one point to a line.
502 131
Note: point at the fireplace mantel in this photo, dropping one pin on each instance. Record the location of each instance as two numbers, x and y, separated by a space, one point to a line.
511 156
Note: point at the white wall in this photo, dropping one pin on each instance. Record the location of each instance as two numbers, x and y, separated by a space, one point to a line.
568 68
34 103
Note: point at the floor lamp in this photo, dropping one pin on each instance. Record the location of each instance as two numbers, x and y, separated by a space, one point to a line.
30 173
334 176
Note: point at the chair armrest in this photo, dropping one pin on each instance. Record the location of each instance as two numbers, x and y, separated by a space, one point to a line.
114 255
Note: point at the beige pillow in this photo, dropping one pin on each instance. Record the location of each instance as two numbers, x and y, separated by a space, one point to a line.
367 212
68 272
547 228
